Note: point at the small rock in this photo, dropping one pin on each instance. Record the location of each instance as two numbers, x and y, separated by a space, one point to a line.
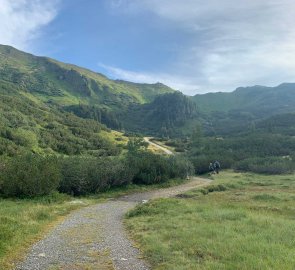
123 259
77 202
42 255
144 201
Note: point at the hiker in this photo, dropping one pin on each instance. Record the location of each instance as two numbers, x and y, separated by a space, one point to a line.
216 166
211 168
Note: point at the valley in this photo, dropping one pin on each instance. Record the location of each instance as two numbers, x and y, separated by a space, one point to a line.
84 157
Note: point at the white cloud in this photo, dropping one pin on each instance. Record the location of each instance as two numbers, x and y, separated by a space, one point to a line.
233 43
22 20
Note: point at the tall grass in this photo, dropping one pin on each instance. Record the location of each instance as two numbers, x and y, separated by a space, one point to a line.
248 224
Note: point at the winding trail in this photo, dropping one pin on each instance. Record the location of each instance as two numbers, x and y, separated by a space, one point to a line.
94 237
162 148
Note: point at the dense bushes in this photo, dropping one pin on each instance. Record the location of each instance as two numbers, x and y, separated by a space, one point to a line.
271 165
149 168
260 153
89 175
31 175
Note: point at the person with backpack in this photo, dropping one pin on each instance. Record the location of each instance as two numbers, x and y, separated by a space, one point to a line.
211 168
216 166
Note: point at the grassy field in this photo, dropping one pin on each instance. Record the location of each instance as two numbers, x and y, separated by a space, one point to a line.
24 221
242 221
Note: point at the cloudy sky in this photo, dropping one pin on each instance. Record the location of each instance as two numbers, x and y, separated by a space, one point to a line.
195 46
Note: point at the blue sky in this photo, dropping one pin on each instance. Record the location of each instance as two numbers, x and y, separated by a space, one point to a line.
195 46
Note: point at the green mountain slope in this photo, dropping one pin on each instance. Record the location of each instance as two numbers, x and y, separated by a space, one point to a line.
74 89
67 84
27 124
241 110
152 109
167 115
258 100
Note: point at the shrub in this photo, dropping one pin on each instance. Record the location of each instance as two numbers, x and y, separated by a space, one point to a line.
180 167
150 168
201 163
82 176
270 165
29 175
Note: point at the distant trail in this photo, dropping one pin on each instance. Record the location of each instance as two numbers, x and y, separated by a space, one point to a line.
164 149
94 237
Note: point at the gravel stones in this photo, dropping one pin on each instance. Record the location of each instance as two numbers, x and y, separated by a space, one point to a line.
94 237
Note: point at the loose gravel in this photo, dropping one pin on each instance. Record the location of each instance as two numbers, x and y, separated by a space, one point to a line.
94 237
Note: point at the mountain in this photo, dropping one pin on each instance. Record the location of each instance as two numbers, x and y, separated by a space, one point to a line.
167 115
67 90
74 89
260 100
66 84
227 113
39 94
28 124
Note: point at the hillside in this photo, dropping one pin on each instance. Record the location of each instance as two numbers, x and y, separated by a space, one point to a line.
241 110
68 84
117 104
152 109
167 115
259 100
34 81
28 124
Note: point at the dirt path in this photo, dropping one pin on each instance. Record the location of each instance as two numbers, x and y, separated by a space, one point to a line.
165 150
94 237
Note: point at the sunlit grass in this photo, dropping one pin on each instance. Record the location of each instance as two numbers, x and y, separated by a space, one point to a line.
243 221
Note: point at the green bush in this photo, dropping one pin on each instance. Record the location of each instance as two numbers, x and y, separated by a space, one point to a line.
150 168
82 176
270 165
29 175
180 167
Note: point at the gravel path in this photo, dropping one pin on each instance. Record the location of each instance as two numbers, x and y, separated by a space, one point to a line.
94 237
162 148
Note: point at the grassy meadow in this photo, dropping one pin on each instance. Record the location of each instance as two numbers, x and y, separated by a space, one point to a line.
241 221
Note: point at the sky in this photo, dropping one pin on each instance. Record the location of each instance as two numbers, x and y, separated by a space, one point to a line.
194 46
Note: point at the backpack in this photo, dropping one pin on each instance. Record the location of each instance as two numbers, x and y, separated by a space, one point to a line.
216 165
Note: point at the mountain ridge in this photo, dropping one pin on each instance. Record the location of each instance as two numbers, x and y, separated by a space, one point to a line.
139 107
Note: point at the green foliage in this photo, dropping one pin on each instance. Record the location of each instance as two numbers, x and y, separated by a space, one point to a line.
82 176
149 168
136 145
102 115
29 175
163 117
27 124
261 153
270 165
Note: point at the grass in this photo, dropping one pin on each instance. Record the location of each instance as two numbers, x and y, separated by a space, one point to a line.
24 221
242 221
